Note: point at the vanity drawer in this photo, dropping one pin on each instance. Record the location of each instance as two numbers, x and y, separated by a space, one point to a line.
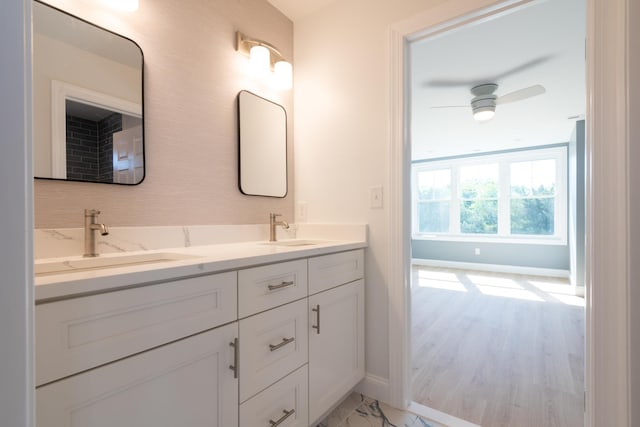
271 405
272 344
81 333
329 271
262 288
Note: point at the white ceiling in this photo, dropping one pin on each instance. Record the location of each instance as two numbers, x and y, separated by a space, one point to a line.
549 34
53 23
296 9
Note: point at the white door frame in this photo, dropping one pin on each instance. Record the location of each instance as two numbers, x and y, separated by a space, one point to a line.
607 377
16 219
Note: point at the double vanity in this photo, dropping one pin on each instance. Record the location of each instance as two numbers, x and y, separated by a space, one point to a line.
227 329
238 334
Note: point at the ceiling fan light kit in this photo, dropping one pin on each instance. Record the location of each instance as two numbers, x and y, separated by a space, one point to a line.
484 113
483 104
484 101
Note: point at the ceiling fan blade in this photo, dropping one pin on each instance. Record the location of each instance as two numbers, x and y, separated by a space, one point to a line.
450 83
522 67
451 106
495 78
521 94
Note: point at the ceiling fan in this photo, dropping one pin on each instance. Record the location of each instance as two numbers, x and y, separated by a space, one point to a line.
484 101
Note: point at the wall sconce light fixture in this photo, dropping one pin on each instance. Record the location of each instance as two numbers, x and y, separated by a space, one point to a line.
263 57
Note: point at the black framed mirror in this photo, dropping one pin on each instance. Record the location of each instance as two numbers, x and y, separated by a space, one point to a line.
88 110
263 146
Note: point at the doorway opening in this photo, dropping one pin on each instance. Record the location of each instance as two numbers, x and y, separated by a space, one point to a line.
503 195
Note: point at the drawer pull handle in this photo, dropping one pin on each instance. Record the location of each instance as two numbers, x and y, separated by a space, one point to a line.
281 285
284 342
286 415
236 354
317 326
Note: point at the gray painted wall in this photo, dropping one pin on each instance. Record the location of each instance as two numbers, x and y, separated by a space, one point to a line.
538 256
512 254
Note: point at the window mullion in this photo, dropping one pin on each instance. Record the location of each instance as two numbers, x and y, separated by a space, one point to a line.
454 207
504 200
415 201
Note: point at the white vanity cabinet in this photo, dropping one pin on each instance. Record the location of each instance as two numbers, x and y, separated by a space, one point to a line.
145 356
187 383
336 334
274 345
277 344
328 319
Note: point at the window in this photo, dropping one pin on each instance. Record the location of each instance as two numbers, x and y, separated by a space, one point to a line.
434 199
479 199
533 197
520 196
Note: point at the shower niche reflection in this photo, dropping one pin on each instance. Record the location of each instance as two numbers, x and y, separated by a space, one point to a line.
101 145
88 122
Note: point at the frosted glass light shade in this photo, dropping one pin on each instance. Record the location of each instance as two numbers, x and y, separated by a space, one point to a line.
283 74
483 115
260 60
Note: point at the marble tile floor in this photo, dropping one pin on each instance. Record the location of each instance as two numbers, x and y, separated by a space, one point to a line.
360 411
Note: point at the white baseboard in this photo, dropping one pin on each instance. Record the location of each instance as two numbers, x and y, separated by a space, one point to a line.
375 387
514 269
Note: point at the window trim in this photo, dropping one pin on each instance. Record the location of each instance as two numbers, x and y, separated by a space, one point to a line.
504 160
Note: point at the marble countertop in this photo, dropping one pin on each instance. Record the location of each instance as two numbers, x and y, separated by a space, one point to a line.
206 259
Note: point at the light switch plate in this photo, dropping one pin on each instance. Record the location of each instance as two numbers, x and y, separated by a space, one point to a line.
301 211
375 197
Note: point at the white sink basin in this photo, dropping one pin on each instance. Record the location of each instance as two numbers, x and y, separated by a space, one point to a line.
295 243
98 263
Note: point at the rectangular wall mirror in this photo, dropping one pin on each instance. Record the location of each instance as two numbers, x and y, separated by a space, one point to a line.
87 101
262 147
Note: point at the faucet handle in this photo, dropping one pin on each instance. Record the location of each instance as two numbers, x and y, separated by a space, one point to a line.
91 212
273 216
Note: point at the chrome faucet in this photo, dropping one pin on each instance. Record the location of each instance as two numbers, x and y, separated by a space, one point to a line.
90 225
272 226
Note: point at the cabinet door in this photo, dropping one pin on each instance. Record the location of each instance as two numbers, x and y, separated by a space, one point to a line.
187 383
336 348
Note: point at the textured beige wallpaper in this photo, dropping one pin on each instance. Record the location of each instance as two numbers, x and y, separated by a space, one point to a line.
192 76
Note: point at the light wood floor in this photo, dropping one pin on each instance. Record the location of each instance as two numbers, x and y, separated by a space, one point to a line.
496 349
